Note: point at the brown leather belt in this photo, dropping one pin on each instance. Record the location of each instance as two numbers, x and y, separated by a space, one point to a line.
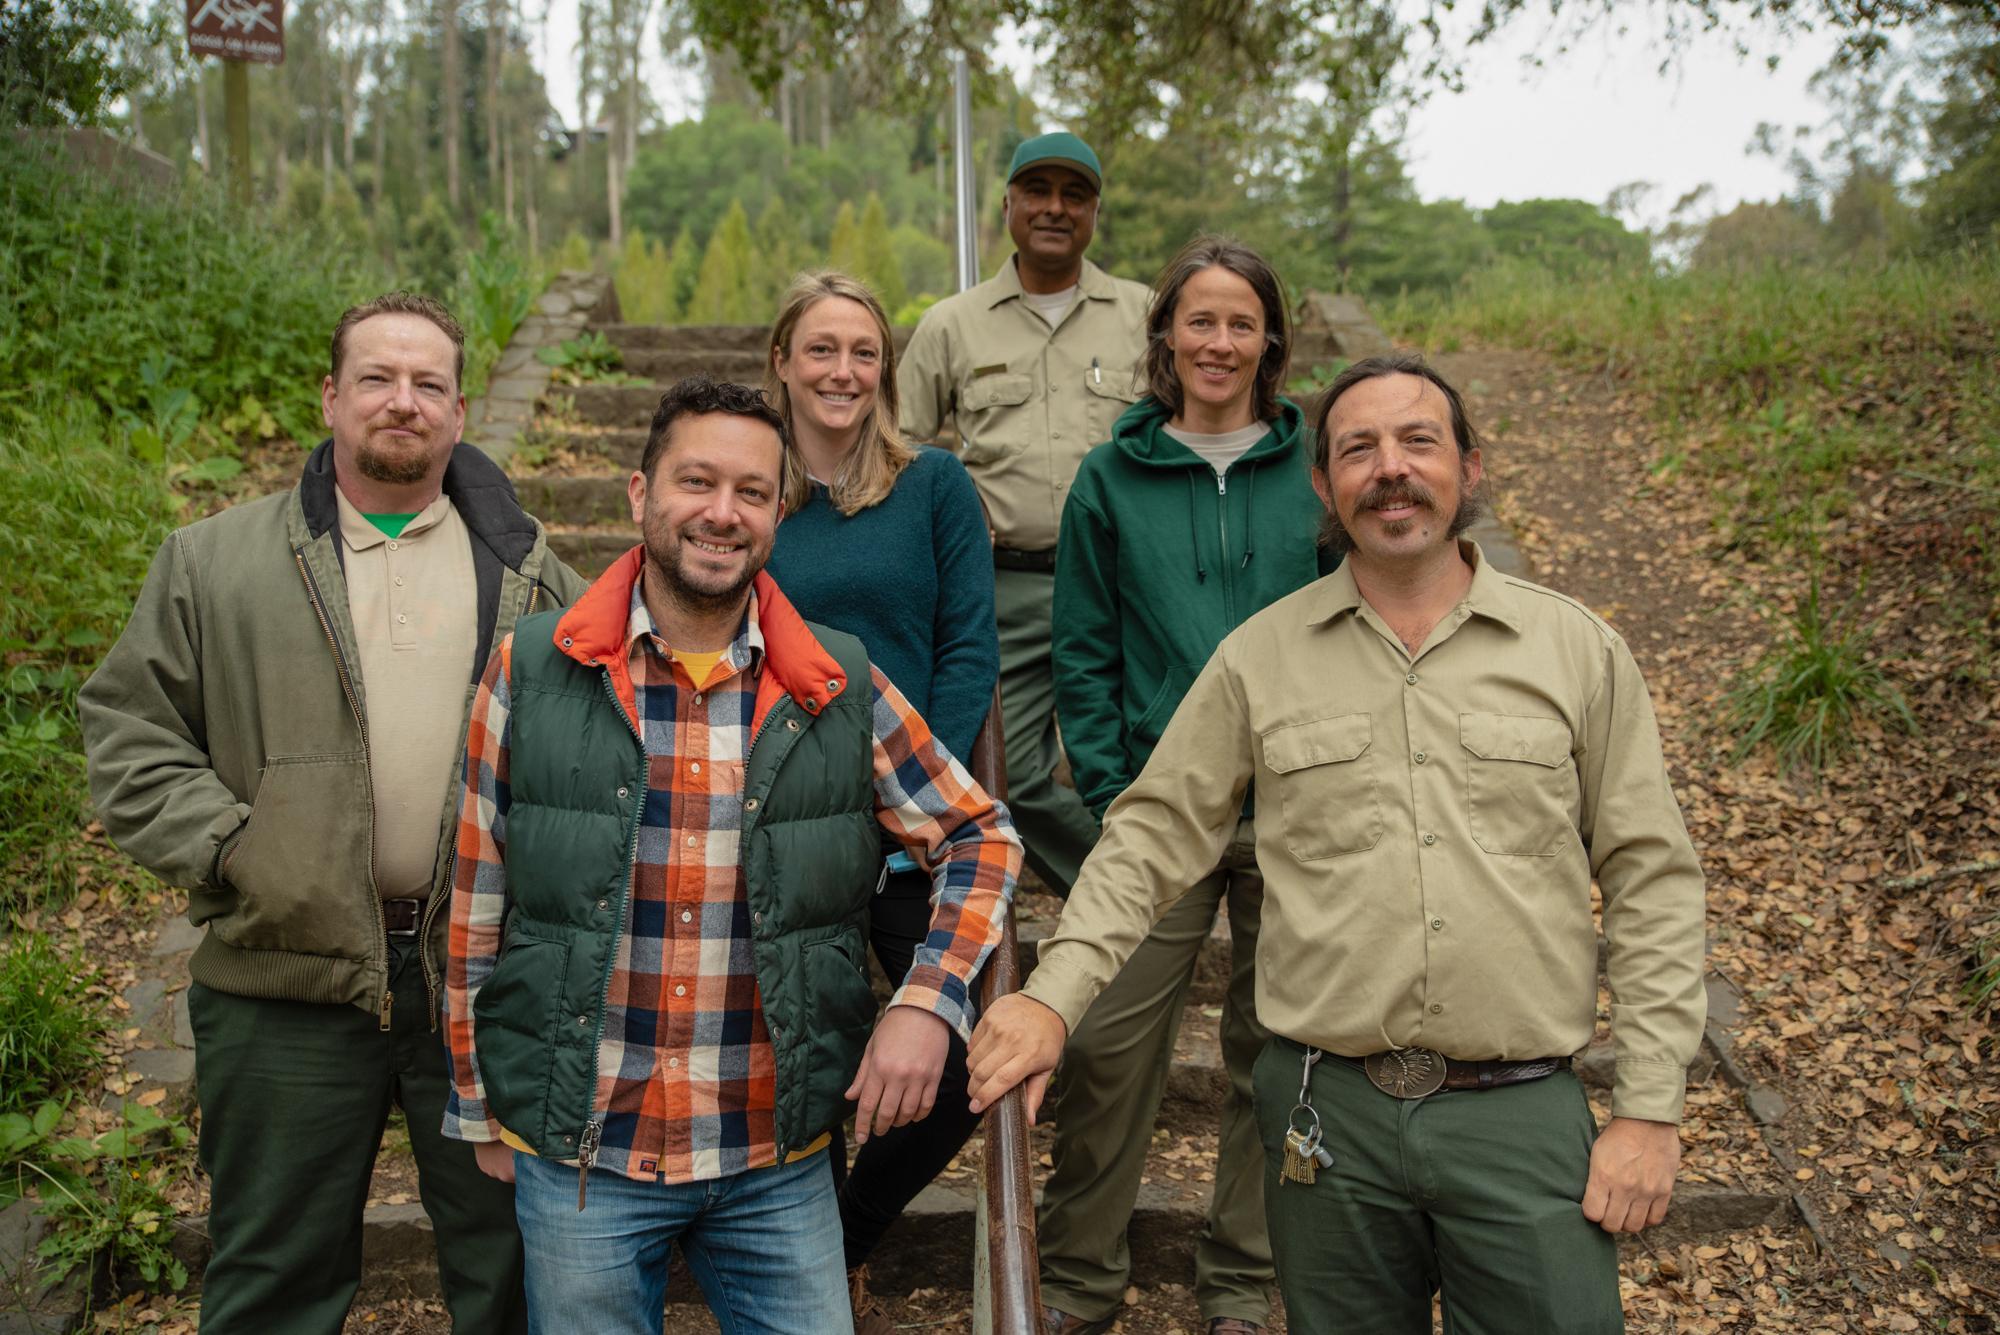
1013 558
1414 1073
402 917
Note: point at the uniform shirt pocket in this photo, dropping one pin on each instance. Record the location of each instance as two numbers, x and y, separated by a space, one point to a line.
1110 391
1520 783
998 416
1324 776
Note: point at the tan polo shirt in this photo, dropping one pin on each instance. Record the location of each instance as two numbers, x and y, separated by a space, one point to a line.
1028 401
415 604
1428 826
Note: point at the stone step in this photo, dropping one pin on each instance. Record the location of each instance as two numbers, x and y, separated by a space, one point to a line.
663 366
613 405
931 1245
578 502
631 338
589 550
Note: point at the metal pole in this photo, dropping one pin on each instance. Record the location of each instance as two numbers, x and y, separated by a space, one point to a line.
236 116
967 205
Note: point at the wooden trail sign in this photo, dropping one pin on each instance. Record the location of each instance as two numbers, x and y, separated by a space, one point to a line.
252 30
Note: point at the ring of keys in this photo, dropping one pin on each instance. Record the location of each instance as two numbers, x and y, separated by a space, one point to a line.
1304 1155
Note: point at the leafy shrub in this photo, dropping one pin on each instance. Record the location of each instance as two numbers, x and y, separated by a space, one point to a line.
95 279
104 1194
498 290
49 1022
589 358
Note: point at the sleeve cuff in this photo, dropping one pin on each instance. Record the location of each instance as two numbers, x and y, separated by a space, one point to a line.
464 1120
1063 991
1649 1091
940 992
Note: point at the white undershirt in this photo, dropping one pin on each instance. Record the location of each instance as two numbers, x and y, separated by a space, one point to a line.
1052 306
1222 448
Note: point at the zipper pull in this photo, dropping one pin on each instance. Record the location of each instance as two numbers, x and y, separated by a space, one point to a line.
1221 484
388 1000
586 1155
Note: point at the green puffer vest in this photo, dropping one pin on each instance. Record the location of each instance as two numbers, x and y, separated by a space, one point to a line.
811 860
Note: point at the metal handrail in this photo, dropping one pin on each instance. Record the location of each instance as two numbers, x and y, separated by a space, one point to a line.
1012 1293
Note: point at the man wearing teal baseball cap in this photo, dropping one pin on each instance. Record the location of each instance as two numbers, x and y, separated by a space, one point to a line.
1032 367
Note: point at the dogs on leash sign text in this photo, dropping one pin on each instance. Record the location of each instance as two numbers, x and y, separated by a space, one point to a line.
237 29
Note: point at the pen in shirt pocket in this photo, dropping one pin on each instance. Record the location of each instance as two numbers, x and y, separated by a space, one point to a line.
1096 375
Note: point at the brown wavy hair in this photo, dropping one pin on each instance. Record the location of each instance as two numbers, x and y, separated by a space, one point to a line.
880 453
1209 251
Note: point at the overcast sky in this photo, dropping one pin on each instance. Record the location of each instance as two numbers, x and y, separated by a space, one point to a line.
1592 119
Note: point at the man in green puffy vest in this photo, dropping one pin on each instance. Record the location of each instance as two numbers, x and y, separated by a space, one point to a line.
657 995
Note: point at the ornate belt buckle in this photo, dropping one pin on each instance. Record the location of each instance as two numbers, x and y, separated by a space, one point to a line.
1406 1073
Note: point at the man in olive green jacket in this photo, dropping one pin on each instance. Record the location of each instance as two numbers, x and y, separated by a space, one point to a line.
277 730
1444 758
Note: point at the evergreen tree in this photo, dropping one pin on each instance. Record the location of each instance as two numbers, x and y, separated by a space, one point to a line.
782 251
574 253
641 279
683 270
722 294
879 267
844 253
431 254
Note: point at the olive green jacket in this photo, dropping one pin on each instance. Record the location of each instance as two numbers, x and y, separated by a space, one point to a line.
227 740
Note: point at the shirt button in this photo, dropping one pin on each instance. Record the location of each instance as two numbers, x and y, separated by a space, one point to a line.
697 697
1421 757
681 990
691 841
674 1063
399 581
1437 1008
687 915
392 545
1430 839
1437 924
402 618
694 767
1412 679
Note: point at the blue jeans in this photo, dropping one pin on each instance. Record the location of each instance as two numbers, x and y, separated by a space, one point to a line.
764 1246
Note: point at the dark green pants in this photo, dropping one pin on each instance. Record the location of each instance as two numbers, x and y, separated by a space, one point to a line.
294 1097
1474 1194
1057 830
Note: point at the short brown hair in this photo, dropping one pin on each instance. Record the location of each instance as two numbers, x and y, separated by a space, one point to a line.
400 302
1398 363
1209 251
881 454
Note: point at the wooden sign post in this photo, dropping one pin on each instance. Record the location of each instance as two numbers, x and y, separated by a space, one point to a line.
239 32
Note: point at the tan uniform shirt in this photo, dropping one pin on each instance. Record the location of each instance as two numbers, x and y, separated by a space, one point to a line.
1028 401
1428 827
415 604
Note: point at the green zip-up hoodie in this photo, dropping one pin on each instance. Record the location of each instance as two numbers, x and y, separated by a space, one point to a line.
1159 559
227 737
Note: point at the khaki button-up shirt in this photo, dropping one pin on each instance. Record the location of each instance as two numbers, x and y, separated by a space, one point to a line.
1028 401
1428 826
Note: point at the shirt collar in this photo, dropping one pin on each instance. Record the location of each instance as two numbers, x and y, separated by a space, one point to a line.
1490 596
1092 284
360 535
746 650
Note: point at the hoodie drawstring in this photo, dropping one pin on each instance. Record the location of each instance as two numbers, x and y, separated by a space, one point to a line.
1194 531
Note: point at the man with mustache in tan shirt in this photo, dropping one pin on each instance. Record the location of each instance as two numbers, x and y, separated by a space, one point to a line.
1446 757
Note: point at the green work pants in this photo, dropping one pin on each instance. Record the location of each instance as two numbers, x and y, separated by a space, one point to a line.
1477 1194
1056 828
294 1097
1114 1071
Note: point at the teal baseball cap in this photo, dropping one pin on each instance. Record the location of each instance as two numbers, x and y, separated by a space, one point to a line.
1063 149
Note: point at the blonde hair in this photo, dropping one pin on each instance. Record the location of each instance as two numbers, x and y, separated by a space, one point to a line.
880 453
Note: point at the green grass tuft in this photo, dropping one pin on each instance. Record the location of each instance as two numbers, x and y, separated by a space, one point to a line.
49 1022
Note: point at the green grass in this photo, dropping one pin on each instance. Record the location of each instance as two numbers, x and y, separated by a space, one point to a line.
1812 689
49 1022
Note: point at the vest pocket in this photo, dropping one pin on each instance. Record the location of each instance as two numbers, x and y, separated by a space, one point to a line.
1325 782
520 1027
1520 784
842 999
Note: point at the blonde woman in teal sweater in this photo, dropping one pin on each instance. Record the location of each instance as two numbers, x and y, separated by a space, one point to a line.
885 541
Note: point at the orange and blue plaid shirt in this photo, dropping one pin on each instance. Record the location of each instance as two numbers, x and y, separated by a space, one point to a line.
686 1077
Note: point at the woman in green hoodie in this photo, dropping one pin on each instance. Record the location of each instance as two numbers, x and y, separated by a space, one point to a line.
1197 513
